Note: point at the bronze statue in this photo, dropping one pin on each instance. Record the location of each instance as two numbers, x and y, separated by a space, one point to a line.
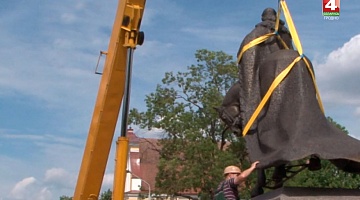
291 126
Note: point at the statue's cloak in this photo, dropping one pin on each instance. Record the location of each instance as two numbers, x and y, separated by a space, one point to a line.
252 58
292 126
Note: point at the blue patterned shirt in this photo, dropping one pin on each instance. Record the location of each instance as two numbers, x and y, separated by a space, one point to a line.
230 189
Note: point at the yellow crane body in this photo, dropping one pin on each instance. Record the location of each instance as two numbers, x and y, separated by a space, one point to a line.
124 36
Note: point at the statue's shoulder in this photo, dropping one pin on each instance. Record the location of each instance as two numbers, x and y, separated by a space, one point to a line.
259 30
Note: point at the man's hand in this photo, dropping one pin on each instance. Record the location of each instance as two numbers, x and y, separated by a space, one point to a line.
254 164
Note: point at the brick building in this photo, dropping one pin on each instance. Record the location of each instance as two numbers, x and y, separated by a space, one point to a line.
142 169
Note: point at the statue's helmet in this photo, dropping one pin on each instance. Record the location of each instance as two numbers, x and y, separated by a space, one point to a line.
269 14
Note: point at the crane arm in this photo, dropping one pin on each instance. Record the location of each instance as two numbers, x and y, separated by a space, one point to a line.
125 35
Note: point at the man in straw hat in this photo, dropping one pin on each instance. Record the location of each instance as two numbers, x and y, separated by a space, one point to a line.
228 189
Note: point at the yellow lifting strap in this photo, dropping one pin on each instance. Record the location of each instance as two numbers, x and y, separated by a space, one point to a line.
283 74
291 26
259 40
253 43
263 38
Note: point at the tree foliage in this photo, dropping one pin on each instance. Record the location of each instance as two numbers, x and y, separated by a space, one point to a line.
106 195
193 152
63 197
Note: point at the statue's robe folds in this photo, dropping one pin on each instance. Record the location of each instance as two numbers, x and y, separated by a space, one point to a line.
250 61
292 126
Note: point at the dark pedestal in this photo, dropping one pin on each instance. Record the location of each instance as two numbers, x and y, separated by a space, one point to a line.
299 193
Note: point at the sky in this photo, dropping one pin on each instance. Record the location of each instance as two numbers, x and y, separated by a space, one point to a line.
49 50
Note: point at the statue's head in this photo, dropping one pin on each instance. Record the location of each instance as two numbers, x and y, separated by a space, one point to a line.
269 14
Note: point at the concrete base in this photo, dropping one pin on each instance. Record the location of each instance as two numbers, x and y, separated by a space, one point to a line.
298 193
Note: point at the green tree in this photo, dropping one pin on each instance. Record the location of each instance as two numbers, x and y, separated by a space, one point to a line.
63 197
329 176
106 195
193 152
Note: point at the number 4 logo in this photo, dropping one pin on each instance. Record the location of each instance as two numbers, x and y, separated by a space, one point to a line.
331 6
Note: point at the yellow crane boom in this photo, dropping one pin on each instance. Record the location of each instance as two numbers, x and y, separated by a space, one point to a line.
124 38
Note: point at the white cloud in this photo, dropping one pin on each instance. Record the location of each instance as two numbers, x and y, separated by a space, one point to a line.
344 60
45 194
22 189
145 133
58 176
338 75
338 81
56 182
108 181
